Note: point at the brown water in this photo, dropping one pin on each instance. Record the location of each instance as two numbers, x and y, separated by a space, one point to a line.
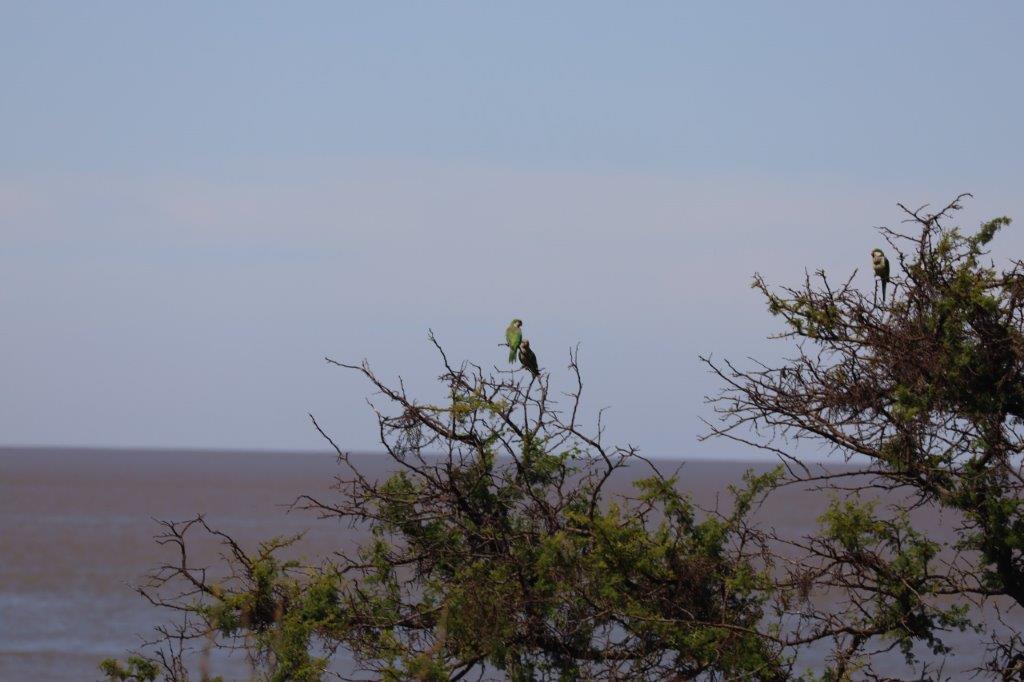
76 528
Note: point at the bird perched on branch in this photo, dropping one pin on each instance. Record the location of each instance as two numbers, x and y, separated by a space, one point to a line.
514 336
881 266
528 358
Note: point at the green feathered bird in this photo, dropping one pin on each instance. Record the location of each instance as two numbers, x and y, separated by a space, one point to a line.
514 336
881 266
528 358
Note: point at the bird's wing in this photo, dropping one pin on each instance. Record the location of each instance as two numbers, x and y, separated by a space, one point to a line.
529 359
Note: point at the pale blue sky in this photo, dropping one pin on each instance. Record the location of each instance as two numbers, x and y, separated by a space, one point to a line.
198 201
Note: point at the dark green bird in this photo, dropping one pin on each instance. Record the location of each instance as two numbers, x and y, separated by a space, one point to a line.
527 357
881 266
514 336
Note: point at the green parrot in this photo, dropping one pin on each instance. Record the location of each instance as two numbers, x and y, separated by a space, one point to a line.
881 266
527 357
514 336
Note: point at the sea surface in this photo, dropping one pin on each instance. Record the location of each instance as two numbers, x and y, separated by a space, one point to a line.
77 527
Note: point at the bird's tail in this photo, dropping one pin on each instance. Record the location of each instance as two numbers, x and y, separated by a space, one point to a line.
884 283
511 354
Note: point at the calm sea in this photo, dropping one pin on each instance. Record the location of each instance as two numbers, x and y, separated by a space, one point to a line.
76 529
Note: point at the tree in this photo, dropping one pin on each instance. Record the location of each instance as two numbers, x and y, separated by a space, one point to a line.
497 549
929 390
494 547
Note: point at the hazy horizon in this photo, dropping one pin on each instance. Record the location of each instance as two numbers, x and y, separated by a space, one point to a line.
10 449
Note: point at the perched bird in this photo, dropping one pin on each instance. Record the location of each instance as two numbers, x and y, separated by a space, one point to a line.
881 265
529 360
514 336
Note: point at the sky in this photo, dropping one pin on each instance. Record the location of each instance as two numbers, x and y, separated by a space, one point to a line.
200 201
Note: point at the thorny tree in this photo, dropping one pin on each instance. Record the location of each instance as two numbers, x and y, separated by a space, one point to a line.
497 550
929 390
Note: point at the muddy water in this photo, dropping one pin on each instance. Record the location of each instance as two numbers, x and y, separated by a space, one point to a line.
76 530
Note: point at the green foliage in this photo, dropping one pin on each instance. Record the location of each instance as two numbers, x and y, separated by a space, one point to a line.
507 565
505 577
134 669
495 545
893 562
929 386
